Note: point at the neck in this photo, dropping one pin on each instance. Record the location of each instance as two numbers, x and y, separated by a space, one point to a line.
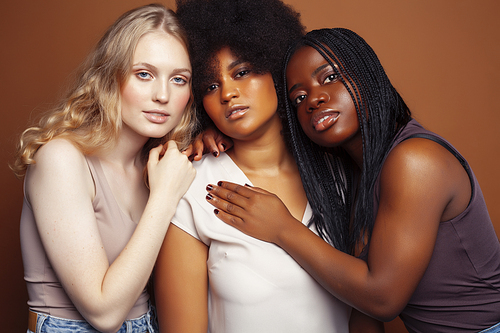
126 151
266 154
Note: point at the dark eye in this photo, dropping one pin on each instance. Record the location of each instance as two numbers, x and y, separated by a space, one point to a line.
242 73
331 78
211 87
297 100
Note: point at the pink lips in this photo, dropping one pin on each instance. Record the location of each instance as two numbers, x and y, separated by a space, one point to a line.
236 111
156 116
323 120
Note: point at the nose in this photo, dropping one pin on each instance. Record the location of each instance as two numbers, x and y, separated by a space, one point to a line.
316 99
161 94
229 90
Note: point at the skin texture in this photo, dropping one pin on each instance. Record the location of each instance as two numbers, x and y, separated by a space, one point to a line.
61 189
421 185
259 150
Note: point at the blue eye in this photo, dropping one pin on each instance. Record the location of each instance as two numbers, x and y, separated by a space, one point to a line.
180 80
144 75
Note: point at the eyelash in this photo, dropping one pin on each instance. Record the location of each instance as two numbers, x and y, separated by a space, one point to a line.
239 74
333 77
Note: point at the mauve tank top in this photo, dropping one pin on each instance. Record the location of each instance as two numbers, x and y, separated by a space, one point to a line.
460 290
45 292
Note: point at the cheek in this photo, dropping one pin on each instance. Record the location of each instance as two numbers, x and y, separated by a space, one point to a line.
181 100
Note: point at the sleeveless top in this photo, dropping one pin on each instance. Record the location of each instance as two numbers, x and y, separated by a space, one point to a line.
45 292
460 290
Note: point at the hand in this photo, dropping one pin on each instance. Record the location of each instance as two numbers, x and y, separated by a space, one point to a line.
210 141
169 171
252 210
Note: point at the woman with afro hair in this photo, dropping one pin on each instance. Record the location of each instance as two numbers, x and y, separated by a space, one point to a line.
209 276
405 204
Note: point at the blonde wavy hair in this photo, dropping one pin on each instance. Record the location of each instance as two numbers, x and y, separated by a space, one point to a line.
89 115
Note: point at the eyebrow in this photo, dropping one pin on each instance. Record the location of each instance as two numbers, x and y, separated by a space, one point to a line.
235 63
313 74
154 68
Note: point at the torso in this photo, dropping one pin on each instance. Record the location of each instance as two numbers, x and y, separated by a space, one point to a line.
460 289
254 286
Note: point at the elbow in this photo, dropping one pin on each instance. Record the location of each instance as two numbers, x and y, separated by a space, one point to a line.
106 323
383 309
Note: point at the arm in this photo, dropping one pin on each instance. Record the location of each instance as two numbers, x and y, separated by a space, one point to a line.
210 141
181 283
361 323
421 185
60 189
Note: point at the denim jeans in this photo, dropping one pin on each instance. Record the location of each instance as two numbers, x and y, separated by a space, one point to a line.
50 324
493 329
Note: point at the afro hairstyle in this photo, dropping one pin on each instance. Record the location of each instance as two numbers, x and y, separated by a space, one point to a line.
256 31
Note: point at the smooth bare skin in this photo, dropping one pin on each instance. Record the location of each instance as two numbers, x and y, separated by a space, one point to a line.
422 184
259 150
61 189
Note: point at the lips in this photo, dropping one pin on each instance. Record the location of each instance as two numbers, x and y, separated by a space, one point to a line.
236 111
156 116
323 120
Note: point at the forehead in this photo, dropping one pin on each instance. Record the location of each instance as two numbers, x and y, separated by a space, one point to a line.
306 61
161 47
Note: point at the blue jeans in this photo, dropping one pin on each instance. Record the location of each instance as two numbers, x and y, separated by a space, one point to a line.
50 324
493 329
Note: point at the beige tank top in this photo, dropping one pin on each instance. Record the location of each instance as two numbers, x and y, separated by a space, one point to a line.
45 292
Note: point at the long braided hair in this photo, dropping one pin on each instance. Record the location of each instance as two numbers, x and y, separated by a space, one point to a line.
329 175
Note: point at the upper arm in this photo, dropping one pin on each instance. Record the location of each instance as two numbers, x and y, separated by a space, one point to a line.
181 283
60 189
418 182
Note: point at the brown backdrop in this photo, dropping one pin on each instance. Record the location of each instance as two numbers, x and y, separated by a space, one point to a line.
443 56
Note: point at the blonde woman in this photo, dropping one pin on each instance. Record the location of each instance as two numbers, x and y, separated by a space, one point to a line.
92 226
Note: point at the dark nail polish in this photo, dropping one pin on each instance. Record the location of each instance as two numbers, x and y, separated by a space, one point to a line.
223 146
216 211
209 196
219 183
248 185
215 153
209 187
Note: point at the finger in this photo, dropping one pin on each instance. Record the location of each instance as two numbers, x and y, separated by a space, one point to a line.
257 189
226 206
230 219
225 188
209 142
154 153
226 195
188 151
224 143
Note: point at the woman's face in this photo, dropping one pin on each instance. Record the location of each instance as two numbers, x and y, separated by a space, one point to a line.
154 96
240 102
324 107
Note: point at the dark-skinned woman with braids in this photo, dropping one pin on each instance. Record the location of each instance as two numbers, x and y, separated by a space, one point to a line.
406 215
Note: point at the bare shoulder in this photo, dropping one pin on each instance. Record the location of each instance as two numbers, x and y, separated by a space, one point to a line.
419 156
59 162
424 170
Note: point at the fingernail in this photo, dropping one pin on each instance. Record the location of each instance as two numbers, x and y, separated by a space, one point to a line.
219 183
209 196
223 146
248 185
209 187
215 153
216 211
